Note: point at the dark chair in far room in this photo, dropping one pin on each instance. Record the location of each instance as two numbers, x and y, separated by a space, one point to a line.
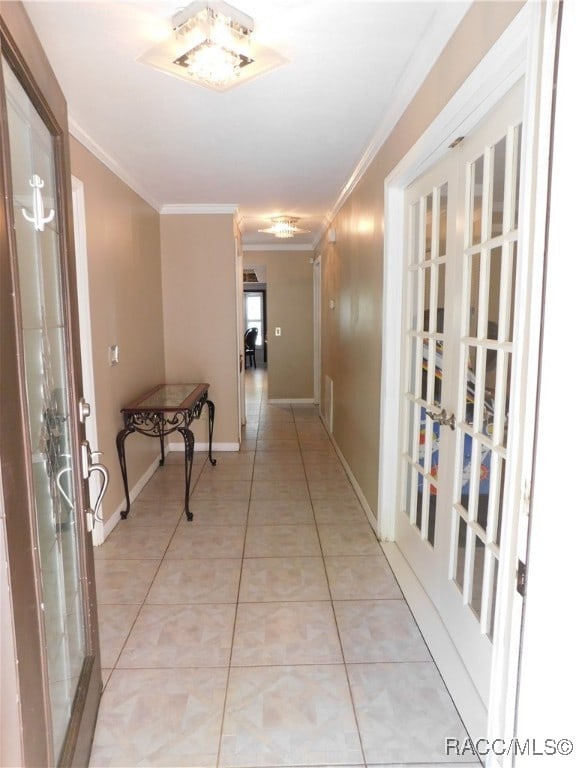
250 346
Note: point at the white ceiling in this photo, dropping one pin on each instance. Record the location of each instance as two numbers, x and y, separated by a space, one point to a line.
291 141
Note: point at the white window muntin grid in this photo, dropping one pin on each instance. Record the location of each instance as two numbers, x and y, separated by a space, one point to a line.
507 242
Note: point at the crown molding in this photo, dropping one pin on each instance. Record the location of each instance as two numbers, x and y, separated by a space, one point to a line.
78 133
260 247
422 60
184 209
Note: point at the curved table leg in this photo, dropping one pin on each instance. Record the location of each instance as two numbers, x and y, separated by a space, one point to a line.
211 411
162 457
120 440
188 459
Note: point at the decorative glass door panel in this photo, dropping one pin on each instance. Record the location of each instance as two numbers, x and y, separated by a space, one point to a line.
460 276
43 325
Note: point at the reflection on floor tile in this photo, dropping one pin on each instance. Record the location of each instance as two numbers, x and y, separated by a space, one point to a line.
270 630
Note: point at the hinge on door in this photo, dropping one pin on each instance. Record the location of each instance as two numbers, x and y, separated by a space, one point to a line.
521 578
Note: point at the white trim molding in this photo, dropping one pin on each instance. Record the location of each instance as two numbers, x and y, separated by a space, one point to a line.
195 209
357 490
110 163
273 247
203 447
135 491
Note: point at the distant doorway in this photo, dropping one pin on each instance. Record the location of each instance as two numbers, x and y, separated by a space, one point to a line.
255 317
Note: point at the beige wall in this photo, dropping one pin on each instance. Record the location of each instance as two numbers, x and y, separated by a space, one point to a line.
123 243
352 267
290 303
199 287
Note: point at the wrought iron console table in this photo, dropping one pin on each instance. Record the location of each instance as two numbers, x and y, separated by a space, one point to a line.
165 409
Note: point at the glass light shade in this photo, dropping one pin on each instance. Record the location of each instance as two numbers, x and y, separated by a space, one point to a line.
284 226
210 45
218 47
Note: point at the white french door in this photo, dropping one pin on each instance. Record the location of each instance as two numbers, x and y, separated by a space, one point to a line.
459 349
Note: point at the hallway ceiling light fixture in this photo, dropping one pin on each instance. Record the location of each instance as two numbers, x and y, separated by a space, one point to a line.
284 226
211 45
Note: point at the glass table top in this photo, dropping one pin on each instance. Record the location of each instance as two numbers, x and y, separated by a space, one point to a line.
168 396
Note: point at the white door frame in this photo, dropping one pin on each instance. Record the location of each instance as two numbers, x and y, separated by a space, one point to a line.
545 700
525 49
317 310
238 257
85 323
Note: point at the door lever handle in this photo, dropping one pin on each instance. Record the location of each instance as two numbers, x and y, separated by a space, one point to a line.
442 418
88 467
105 480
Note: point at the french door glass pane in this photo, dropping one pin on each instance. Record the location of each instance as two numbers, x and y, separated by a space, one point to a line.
477 185
517 149
461 529
498 177
442 222
493 587
477 576
428 217
47 398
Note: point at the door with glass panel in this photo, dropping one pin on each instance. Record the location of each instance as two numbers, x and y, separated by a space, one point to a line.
48 518
461 235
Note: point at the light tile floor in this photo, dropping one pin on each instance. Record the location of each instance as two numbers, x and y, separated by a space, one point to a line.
270 631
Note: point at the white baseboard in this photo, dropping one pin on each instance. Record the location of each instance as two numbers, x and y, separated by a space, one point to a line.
363 501
102 531
292 401
447 659
216 447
